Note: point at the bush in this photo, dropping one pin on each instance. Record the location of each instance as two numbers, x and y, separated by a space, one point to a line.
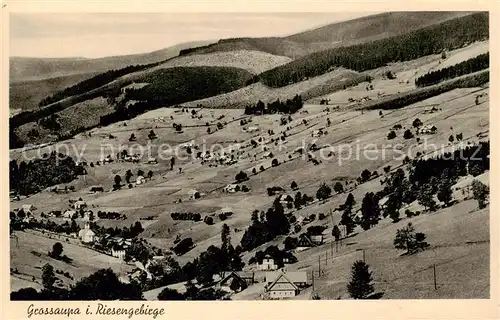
209 220
323 192
410 240
241 176
297 228
183 246
274 163
321 216
391 135
408 134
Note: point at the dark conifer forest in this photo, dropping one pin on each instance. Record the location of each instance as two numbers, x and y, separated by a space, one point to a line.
448 35
478 63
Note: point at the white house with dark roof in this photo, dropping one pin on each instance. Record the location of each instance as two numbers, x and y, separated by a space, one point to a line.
281 285
28 208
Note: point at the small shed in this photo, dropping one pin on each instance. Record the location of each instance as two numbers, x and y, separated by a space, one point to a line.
194 194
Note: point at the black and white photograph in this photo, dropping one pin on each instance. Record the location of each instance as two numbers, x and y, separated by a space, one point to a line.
249 156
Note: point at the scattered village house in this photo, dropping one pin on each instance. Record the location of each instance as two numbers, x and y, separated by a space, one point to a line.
28 208
79 204
118 251
250 129
230 188
427 129
68 214
140 180
304 243
317 239
194 194
281 284
95 189
237 280
267 264
86 235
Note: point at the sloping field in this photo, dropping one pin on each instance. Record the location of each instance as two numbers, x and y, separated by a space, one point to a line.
459 240
29 254
405 72
311 88
84 114
252 61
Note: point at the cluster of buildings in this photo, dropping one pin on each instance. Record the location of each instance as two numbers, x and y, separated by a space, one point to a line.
279 284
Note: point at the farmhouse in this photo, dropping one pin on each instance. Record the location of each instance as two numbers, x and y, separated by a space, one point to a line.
317 133
250 129
152 160
186 145
282 285
86 235
230 188
304 243
226 210
79 204
427 129
232 281
68 214
267 264
28 208
194 194
95 189
140 180
317 239
118 251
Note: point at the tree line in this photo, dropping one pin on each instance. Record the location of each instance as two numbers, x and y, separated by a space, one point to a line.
408 98
426 178
288 106
173 86
430 40
33 176
265 227
478 63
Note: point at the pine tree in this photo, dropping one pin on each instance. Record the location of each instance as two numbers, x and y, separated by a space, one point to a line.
370 211
48 277
445 194
347 220
361 284
225 237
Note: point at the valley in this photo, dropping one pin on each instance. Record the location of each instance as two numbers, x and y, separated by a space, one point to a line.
203 188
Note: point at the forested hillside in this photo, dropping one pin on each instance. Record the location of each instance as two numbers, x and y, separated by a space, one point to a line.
177 85
472 65
448 35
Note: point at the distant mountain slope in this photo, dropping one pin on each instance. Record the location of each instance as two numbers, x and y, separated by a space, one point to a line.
29 69
26 95
334 35
253 61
